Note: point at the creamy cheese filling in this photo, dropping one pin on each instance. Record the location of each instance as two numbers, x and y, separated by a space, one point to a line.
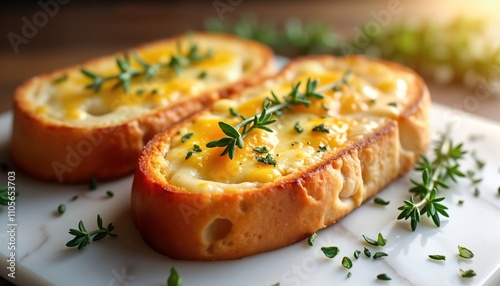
70 101
371 97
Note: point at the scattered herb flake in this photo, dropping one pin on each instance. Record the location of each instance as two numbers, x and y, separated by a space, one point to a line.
323 105
437 257
261 150
330 251
140 91
476 192
467 273
61 79
367 252
380 201
93 184
196 149
268 160
349 274
321 128
384 277
174 279
110 194
381 241
465 253
346 262
312 239
74 198
61 209
298 128
322 148
393 104
460 202
186 137
357 253
202 75
379 254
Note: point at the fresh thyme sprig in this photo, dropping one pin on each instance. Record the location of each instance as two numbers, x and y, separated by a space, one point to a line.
436 175
270 106
149 71
82 236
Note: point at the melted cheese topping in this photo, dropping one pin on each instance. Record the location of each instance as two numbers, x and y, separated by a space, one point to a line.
71 102
372 96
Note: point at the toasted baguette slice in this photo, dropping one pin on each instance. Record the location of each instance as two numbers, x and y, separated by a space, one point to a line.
66 130
330 158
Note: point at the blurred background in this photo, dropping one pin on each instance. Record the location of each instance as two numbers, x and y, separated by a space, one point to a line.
454 44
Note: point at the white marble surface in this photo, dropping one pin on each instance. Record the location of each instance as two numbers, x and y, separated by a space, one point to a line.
43 258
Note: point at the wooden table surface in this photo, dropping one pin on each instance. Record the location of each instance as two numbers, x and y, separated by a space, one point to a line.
80 30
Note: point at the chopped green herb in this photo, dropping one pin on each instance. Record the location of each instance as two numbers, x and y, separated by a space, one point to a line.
384 277
479 163
381 241
380 201
298 128
140 91
437 257
268 160
393 104
74 198
61 208
93 184
346 262
476 192
110 194
261 150
467 273
324 107
61 79
322 148
465 253
498 191
349 274
186 137
312 239
330 251
367 252
357 253
460 202
154 91
321 128
196 149
379 254
174 279
202 75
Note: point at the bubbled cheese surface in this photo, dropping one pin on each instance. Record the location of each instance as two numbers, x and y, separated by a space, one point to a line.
373 95
69 101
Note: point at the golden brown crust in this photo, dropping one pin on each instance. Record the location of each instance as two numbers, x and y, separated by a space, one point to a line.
56 150
209 226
